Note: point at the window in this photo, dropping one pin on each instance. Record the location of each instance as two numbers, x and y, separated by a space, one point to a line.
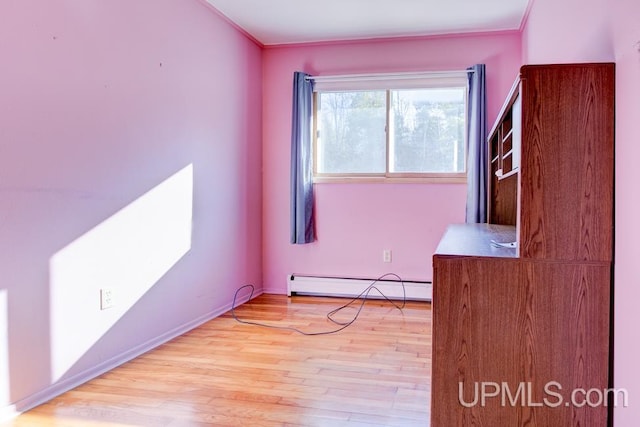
391 133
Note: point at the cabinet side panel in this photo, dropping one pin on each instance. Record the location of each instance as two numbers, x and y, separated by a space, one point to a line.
567 162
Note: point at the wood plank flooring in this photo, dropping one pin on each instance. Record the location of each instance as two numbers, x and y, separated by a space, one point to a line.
377 372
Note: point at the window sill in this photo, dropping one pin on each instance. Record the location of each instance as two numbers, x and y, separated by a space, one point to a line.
430 179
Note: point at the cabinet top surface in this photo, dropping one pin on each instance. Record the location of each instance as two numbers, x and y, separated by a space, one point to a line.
476 240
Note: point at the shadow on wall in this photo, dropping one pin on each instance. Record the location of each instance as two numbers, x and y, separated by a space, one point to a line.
127 254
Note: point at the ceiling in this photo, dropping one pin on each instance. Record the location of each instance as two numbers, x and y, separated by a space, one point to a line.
273 22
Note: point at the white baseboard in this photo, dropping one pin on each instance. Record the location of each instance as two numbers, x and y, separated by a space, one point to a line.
349 287
67 384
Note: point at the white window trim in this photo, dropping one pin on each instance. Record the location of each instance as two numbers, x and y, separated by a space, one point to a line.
431 178
387 82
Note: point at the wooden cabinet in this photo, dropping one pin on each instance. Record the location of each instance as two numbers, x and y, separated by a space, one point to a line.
524 327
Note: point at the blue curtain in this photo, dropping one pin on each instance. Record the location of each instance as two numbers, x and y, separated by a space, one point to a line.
477 146
302 224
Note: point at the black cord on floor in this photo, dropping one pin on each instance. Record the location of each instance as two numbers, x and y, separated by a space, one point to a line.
363 296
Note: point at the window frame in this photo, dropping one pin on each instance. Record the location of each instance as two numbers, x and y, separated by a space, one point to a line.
387 176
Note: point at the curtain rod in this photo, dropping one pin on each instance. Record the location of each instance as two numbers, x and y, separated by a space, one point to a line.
390 76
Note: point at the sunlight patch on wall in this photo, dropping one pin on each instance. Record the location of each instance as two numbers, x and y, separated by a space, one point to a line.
4 348
126 254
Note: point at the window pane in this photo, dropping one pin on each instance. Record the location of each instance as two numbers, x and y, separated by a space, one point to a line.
351 132
427 130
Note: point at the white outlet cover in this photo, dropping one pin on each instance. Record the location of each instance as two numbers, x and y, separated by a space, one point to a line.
106 298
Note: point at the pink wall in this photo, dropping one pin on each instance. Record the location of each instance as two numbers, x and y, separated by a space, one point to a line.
567 31
355 222
101 102
626 37
600 30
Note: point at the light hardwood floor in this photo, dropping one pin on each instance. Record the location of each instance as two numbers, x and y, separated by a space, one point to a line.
376 372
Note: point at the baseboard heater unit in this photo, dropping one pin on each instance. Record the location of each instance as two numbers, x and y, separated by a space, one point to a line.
351 287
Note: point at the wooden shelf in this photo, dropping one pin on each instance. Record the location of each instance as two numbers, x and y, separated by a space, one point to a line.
504 142
509 174
507 135
476 239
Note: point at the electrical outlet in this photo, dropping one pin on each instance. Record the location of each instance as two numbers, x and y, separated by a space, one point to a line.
106 298
386 255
